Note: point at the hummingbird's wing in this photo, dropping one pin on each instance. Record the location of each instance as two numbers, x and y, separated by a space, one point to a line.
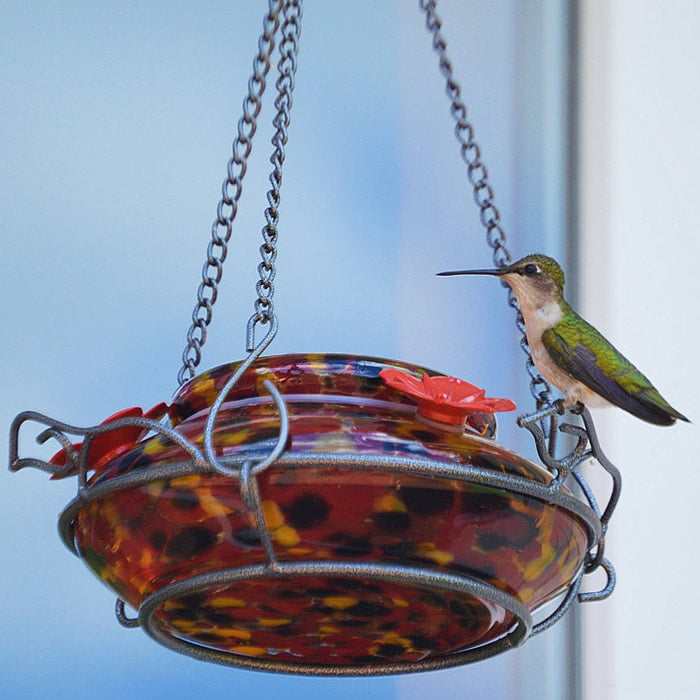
584 353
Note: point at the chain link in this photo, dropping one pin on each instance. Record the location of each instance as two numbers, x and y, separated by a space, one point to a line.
289 48
231 190
477 175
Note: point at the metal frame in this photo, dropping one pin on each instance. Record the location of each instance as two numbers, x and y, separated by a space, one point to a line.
244 471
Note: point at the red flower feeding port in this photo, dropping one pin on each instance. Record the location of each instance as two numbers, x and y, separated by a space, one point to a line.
445 399
324 514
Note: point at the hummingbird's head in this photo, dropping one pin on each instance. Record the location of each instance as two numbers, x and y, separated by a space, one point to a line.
535 279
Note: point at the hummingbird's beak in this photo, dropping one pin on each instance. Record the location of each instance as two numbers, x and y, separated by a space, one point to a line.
497 272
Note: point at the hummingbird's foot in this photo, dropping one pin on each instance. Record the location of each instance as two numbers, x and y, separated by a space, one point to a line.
578 408
555 408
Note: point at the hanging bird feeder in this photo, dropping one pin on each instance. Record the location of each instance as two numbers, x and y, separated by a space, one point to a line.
327 514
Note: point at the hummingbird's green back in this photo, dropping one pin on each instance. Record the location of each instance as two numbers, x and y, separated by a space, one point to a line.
584 353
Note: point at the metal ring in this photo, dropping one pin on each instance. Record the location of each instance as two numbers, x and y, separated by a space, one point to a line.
396 574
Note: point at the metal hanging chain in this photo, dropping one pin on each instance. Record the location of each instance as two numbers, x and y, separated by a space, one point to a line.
231 190
483 192
287 66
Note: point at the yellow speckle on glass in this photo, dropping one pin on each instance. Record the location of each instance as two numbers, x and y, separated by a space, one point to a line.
227 602
526 594
155 488
231 632
339 602
537 566
185 482
273 515
213 506
183 625
146 558
390 638
389 503
245 650
153 446
300 551
203 387
428 549
234 437
399 602
274 621
287 536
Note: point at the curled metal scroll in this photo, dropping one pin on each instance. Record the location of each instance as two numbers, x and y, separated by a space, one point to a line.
587 447
76 461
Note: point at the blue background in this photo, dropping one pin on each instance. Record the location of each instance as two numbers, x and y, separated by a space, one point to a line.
115 126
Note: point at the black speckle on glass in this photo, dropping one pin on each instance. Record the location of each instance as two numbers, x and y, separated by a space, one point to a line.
491 541
418 642
392 521
323 592
390 650
426 501
437 601
367 608
208 637
363 660
351 584
482 502
349 623
192 600
354 547
186 614
247 536
157 539
286 594
184 500
307 511
399 550
190 541
219 618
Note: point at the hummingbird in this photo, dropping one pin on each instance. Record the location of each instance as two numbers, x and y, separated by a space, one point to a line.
569 352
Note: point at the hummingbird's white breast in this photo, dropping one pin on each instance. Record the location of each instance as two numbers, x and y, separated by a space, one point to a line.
541 313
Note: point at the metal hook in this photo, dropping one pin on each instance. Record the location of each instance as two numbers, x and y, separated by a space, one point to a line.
607 589
122 618
250 331
212 459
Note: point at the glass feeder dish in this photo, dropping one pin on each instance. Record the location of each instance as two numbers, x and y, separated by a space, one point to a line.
379 541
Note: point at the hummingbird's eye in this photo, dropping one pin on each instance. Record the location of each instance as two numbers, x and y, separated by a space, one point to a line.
530 269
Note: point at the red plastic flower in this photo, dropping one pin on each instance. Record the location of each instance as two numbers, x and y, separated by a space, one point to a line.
444 399
108 445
